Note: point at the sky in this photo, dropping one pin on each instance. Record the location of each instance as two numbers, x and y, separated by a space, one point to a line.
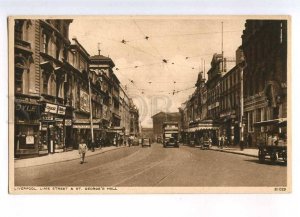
158 58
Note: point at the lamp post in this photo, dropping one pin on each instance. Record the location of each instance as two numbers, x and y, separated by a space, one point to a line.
242 66
91 109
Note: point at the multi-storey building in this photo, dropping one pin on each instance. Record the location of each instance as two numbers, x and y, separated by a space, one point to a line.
134 119
264 43
213 108
60 91
40 75
213 87
230 88
124 112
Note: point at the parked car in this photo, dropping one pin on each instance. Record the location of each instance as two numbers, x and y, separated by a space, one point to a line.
146 142
206 144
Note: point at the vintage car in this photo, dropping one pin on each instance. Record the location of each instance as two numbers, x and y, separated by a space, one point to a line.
146 142
206 144
272 143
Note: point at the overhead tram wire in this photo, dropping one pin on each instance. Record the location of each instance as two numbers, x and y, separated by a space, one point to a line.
164 60
137 66
192 34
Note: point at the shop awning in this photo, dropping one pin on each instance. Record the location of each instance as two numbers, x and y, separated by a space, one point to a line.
278 122
171 131
203 127
86 121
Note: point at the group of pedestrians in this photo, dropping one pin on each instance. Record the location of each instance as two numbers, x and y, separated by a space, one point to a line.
85 145
223 141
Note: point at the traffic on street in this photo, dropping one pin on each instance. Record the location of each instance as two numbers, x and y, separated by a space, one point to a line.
157 166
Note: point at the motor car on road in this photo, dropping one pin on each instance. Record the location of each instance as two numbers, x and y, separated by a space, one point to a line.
146 142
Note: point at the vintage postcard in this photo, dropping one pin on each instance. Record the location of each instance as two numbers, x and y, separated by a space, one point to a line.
149 104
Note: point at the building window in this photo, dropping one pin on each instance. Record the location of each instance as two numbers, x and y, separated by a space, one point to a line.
45 43
19 29
57 49
52 85
18 80
258 115
250 121
45 83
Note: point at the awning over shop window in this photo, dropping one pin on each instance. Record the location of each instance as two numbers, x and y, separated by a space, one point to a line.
278 122
204 125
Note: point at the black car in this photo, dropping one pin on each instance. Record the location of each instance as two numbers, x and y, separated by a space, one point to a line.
171 142
146 142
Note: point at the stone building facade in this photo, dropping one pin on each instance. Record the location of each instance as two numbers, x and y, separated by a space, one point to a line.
61 91
264 43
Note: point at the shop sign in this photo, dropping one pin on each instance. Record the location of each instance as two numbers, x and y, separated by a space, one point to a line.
44 128
47 117
26 107
61 110
68 122
84 101
29 140
51 108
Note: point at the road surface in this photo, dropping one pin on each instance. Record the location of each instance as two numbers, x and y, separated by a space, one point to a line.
156 166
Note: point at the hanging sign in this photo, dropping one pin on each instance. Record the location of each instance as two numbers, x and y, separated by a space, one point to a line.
61 110
51 108
68 122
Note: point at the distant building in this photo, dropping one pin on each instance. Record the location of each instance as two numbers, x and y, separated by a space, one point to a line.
134 119
161 117
147 132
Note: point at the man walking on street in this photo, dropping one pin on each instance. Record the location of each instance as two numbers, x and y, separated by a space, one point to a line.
82 149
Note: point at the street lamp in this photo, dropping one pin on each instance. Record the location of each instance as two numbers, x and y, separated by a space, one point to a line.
91 109
242 65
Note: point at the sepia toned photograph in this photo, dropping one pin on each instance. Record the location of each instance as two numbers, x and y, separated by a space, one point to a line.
149 104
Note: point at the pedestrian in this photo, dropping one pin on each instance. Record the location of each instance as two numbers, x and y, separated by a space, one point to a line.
226 140
275 140
82 149
115 141
220 141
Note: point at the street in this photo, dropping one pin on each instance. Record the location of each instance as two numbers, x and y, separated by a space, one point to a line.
156 166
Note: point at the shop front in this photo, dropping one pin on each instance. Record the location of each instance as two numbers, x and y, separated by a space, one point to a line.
203 130
52 129
116 135
229 127
27 115
82 130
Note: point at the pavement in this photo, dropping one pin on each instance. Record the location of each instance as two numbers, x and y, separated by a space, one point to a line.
251 152
59 157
